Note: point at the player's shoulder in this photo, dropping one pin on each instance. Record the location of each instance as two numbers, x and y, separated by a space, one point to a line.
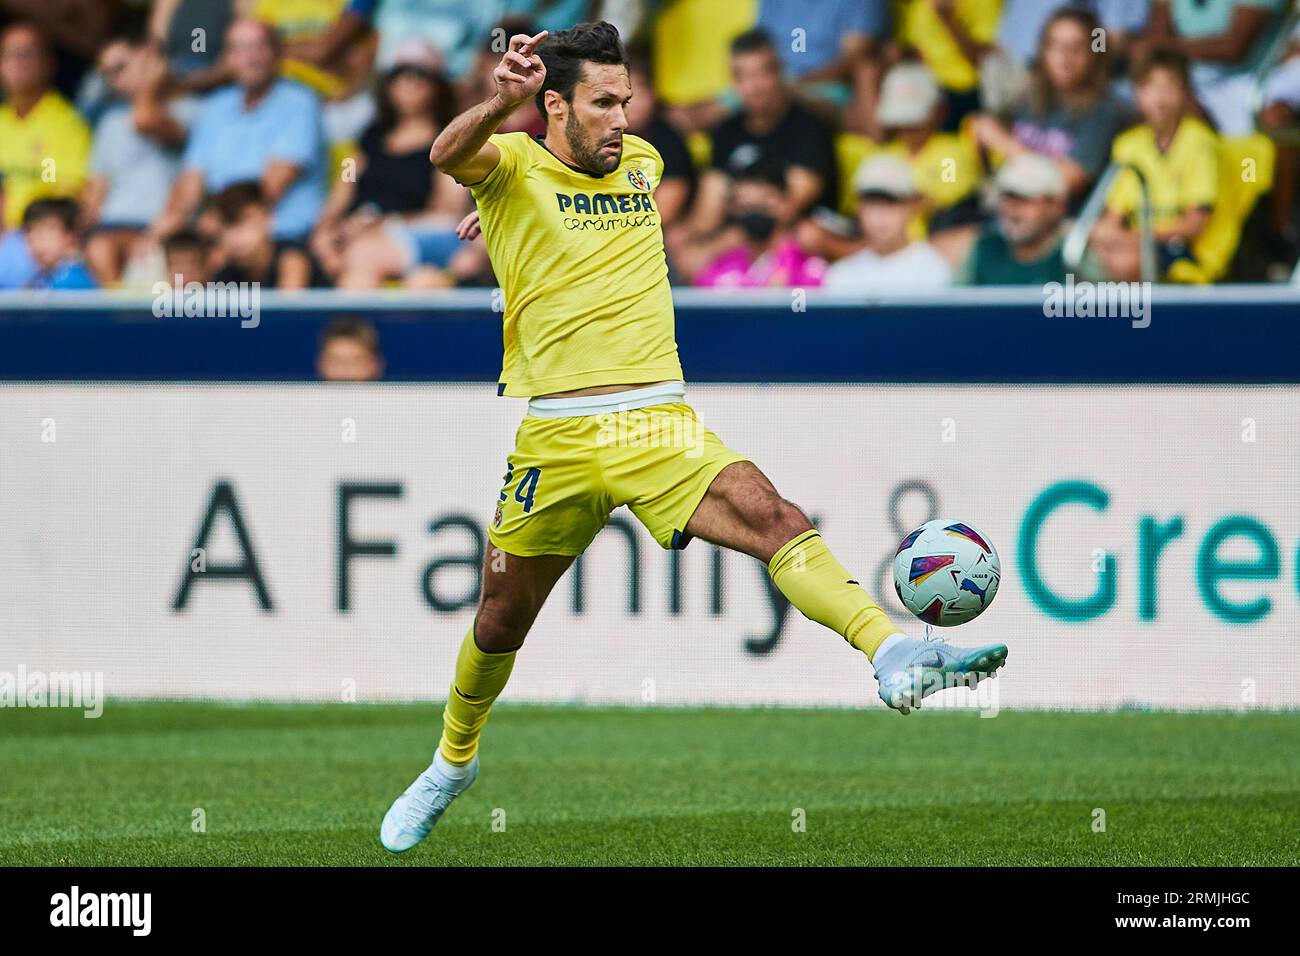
516 142
638 146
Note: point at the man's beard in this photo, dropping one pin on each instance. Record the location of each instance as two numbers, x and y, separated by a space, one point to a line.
588 154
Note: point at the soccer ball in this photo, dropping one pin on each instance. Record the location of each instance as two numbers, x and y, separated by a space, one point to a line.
946 572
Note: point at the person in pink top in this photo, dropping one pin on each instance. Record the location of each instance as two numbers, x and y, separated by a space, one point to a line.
759 249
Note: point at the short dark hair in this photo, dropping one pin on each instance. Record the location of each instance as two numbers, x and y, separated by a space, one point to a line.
232 201
1173 61
565 52
66 211
351 327
752 41
185 240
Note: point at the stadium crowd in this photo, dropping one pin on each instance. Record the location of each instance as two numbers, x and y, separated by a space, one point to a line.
864 146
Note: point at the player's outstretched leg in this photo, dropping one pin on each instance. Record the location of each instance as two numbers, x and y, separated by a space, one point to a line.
742 511
514 590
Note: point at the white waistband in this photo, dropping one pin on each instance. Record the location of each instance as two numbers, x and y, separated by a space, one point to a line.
579 405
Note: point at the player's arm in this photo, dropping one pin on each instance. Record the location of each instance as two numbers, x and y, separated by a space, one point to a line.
462 150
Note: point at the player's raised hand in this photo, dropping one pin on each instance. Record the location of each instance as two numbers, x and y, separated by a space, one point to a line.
520 73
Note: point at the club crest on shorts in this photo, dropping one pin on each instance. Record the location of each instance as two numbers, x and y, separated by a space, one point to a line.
638 179
496 518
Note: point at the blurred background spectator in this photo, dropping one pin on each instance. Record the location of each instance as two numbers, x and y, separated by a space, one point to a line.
260 127
349 352
757 247
1022 244
889 261
136 155
249 253
50 226
394 213
1177 157
322 112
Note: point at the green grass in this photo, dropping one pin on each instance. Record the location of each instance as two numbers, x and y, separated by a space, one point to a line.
306 784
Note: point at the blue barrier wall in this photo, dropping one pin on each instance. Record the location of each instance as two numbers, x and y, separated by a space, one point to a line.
1223 334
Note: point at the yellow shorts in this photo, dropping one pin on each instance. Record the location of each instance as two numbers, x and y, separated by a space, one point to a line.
567 474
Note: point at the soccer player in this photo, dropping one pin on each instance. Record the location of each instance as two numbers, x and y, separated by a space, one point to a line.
575 239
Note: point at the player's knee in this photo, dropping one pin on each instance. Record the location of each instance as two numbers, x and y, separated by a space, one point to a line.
787 521
499 626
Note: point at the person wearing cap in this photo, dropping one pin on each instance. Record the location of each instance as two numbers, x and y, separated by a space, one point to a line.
888 199
1022 245
952 37
946 167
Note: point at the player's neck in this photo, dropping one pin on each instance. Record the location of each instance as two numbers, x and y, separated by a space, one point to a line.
557 147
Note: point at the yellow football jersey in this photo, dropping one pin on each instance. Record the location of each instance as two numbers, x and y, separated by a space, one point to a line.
581 263
42 154
1184 176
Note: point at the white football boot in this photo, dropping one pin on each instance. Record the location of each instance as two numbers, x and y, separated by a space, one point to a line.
413 814
909 670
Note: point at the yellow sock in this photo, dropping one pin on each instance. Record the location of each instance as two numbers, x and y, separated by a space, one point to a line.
480 677
812 580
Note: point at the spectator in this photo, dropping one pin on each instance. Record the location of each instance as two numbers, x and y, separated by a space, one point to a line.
190 33
689 43
952 37
945 166
74 32
44 144
260 128
1069 115
676 188
249 251
1021 30
771 129
1281 115
1022 246
455 28
302 26
349 352
1178 158
188 258
1226 42
50 227
399 214
825 44
136 154
762 251
888 199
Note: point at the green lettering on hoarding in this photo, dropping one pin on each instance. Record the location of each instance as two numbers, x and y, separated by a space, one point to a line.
1152 538
1066 609
1211 569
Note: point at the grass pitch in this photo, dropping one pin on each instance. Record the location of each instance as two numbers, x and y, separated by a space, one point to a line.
306 784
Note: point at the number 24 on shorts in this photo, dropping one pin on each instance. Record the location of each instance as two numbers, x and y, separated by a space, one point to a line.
527 486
